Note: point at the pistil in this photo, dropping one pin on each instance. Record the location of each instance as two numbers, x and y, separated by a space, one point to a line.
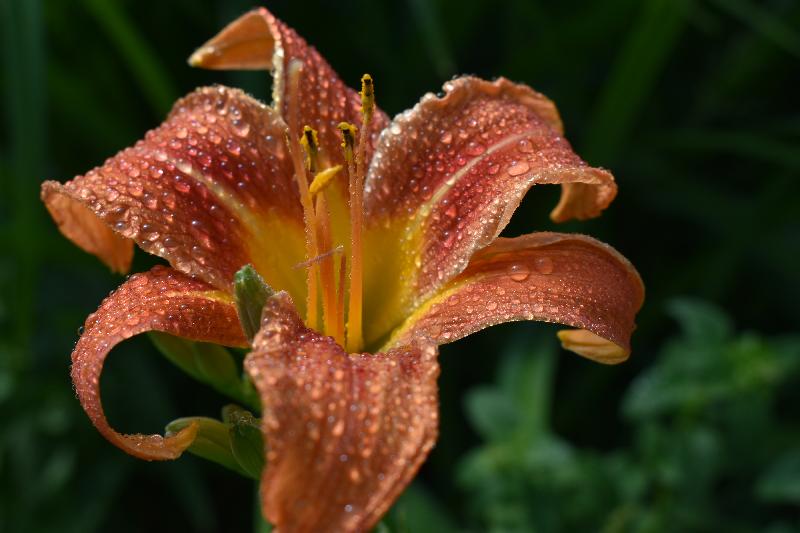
309 218
356 177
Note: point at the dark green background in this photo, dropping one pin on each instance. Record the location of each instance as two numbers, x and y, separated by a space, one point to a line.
693 104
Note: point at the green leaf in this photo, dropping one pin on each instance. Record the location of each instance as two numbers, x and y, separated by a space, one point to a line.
417 511
780 484
247 443
251 292
701 321
492 412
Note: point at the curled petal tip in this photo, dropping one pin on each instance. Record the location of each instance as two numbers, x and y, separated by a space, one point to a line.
178 442
246 43
200 57
592 346
195 311
79 224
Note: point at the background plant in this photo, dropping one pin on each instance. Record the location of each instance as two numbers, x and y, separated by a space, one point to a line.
691 103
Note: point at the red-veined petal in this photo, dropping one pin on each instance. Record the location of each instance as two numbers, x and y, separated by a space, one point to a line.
258 40
346 433
210 190
552 277
447 176
159 300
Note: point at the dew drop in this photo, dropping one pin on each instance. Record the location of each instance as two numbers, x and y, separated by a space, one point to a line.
233 147
518 272
525 146
543 265
518 168
241 128
475 148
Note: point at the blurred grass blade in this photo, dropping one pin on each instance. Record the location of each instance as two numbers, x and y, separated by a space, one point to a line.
741 144
151 76
441 57
25 108
766 24
650 42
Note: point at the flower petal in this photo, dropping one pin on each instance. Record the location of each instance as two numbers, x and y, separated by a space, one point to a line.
258 40
210 190
159 300
552 277
346 433
449 173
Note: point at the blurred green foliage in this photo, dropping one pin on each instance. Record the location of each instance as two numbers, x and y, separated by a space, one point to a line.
711 446
691 103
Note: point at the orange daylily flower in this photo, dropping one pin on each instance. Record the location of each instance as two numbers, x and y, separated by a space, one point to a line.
382 235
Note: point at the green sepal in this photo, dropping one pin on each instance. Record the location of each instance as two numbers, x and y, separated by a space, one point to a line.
251 293
247 442
208 363
235 442
212 442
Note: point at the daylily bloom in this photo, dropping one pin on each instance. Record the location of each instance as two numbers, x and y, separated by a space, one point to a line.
380 236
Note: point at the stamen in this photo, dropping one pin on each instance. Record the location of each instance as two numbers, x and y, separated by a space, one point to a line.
323 179
367 97
312 249
340 296
310 143
355 339
326 269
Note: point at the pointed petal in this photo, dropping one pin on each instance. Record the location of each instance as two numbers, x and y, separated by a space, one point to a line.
551 277
159 300
449 173
346 433
258 40
210 190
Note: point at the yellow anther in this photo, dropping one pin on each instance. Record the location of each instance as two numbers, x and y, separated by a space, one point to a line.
322 179
367 97
348 140
310 143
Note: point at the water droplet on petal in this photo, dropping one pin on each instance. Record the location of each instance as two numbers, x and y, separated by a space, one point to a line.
518 168
543 265
241 128
518 272
525 146
475 148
